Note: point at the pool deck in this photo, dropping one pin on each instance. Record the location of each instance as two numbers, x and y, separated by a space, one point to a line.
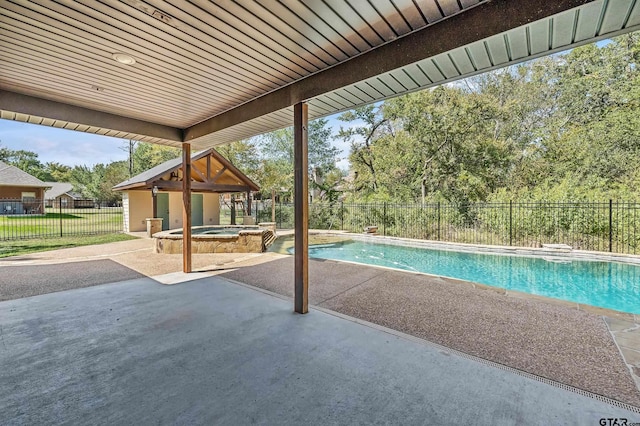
540 336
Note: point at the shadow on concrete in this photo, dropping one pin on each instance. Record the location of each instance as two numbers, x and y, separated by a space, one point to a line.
31 280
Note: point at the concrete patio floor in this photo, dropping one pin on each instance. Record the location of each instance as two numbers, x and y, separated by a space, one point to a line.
210 351
535 335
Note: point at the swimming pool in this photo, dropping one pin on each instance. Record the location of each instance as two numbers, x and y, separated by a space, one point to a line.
608 285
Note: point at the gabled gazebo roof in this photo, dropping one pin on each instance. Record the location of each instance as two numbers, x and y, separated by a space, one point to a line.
210 172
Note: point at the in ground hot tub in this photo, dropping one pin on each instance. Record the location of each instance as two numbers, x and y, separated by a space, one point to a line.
217 239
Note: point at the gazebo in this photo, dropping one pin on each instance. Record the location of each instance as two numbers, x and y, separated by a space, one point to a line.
157 192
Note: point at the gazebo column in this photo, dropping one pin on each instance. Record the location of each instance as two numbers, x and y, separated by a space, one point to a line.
301 208
186 207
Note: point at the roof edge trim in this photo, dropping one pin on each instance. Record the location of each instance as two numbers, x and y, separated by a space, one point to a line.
40 107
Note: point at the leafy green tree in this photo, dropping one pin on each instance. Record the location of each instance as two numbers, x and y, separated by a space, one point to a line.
58 172
244 155
275 177
147 155
278 154
27 161
367 123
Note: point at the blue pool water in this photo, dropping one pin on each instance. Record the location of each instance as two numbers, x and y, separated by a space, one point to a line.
605 284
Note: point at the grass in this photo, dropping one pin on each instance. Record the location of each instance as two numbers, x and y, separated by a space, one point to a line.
65 222
21 247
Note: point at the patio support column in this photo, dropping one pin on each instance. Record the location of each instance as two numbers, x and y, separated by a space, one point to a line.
186 207
301 208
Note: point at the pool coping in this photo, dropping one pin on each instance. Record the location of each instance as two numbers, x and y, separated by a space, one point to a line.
172 234
565 253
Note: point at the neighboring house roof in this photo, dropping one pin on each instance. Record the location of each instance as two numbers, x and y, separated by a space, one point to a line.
57 189
62 188
13 176
210 172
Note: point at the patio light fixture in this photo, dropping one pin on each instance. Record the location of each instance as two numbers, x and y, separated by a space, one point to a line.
154 191
124 58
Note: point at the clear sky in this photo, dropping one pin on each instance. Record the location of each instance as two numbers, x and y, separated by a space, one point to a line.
60 145
73 148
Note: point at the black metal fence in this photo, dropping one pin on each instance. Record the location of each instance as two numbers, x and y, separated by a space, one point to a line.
612 226
32 218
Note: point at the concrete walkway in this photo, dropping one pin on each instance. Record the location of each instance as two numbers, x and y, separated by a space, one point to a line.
210 351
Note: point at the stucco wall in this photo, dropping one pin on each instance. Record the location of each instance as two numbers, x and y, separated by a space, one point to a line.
211 209
175 210
125 212
138 207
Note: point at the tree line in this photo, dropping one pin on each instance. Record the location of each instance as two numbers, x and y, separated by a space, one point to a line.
267 159
564 127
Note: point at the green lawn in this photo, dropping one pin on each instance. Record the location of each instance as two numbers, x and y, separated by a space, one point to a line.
21 247
67 222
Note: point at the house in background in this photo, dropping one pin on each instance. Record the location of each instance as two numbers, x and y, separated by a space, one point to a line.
61 195
158 192
20 193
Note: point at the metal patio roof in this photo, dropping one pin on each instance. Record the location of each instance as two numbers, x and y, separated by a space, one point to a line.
212 72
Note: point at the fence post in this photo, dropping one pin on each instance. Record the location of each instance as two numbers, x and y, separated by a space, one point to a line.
60 214
610 225
438 220
342 215
384 218
510 222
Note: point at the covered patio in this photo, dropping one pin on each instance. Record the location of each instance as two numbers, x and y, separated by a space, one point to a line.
199 74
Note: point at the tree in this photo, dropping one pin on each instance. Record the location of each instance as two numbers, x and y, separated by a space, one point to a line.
369 125
27 161
275 176
58 172
147 155
277 153
244 155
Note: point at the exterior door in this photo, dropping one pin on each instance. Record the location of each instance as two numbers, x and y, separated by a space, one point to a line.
196 210
163 209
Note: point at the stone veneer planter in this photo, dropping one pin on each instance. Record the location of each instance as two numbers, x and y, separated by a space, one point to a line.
249 239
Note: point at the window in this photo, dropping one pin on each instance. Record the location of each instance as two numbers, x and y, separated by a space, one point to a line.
28 196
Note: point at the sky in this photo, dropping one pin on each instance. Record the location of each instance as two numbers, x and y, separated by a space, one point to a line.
73 148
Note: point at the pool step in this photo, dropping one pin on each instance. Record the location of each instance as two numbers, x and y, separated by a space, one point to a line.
268 237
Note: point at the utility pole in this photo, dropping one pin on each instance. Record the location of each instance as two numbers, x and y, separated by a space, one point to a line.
130 149
132 144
